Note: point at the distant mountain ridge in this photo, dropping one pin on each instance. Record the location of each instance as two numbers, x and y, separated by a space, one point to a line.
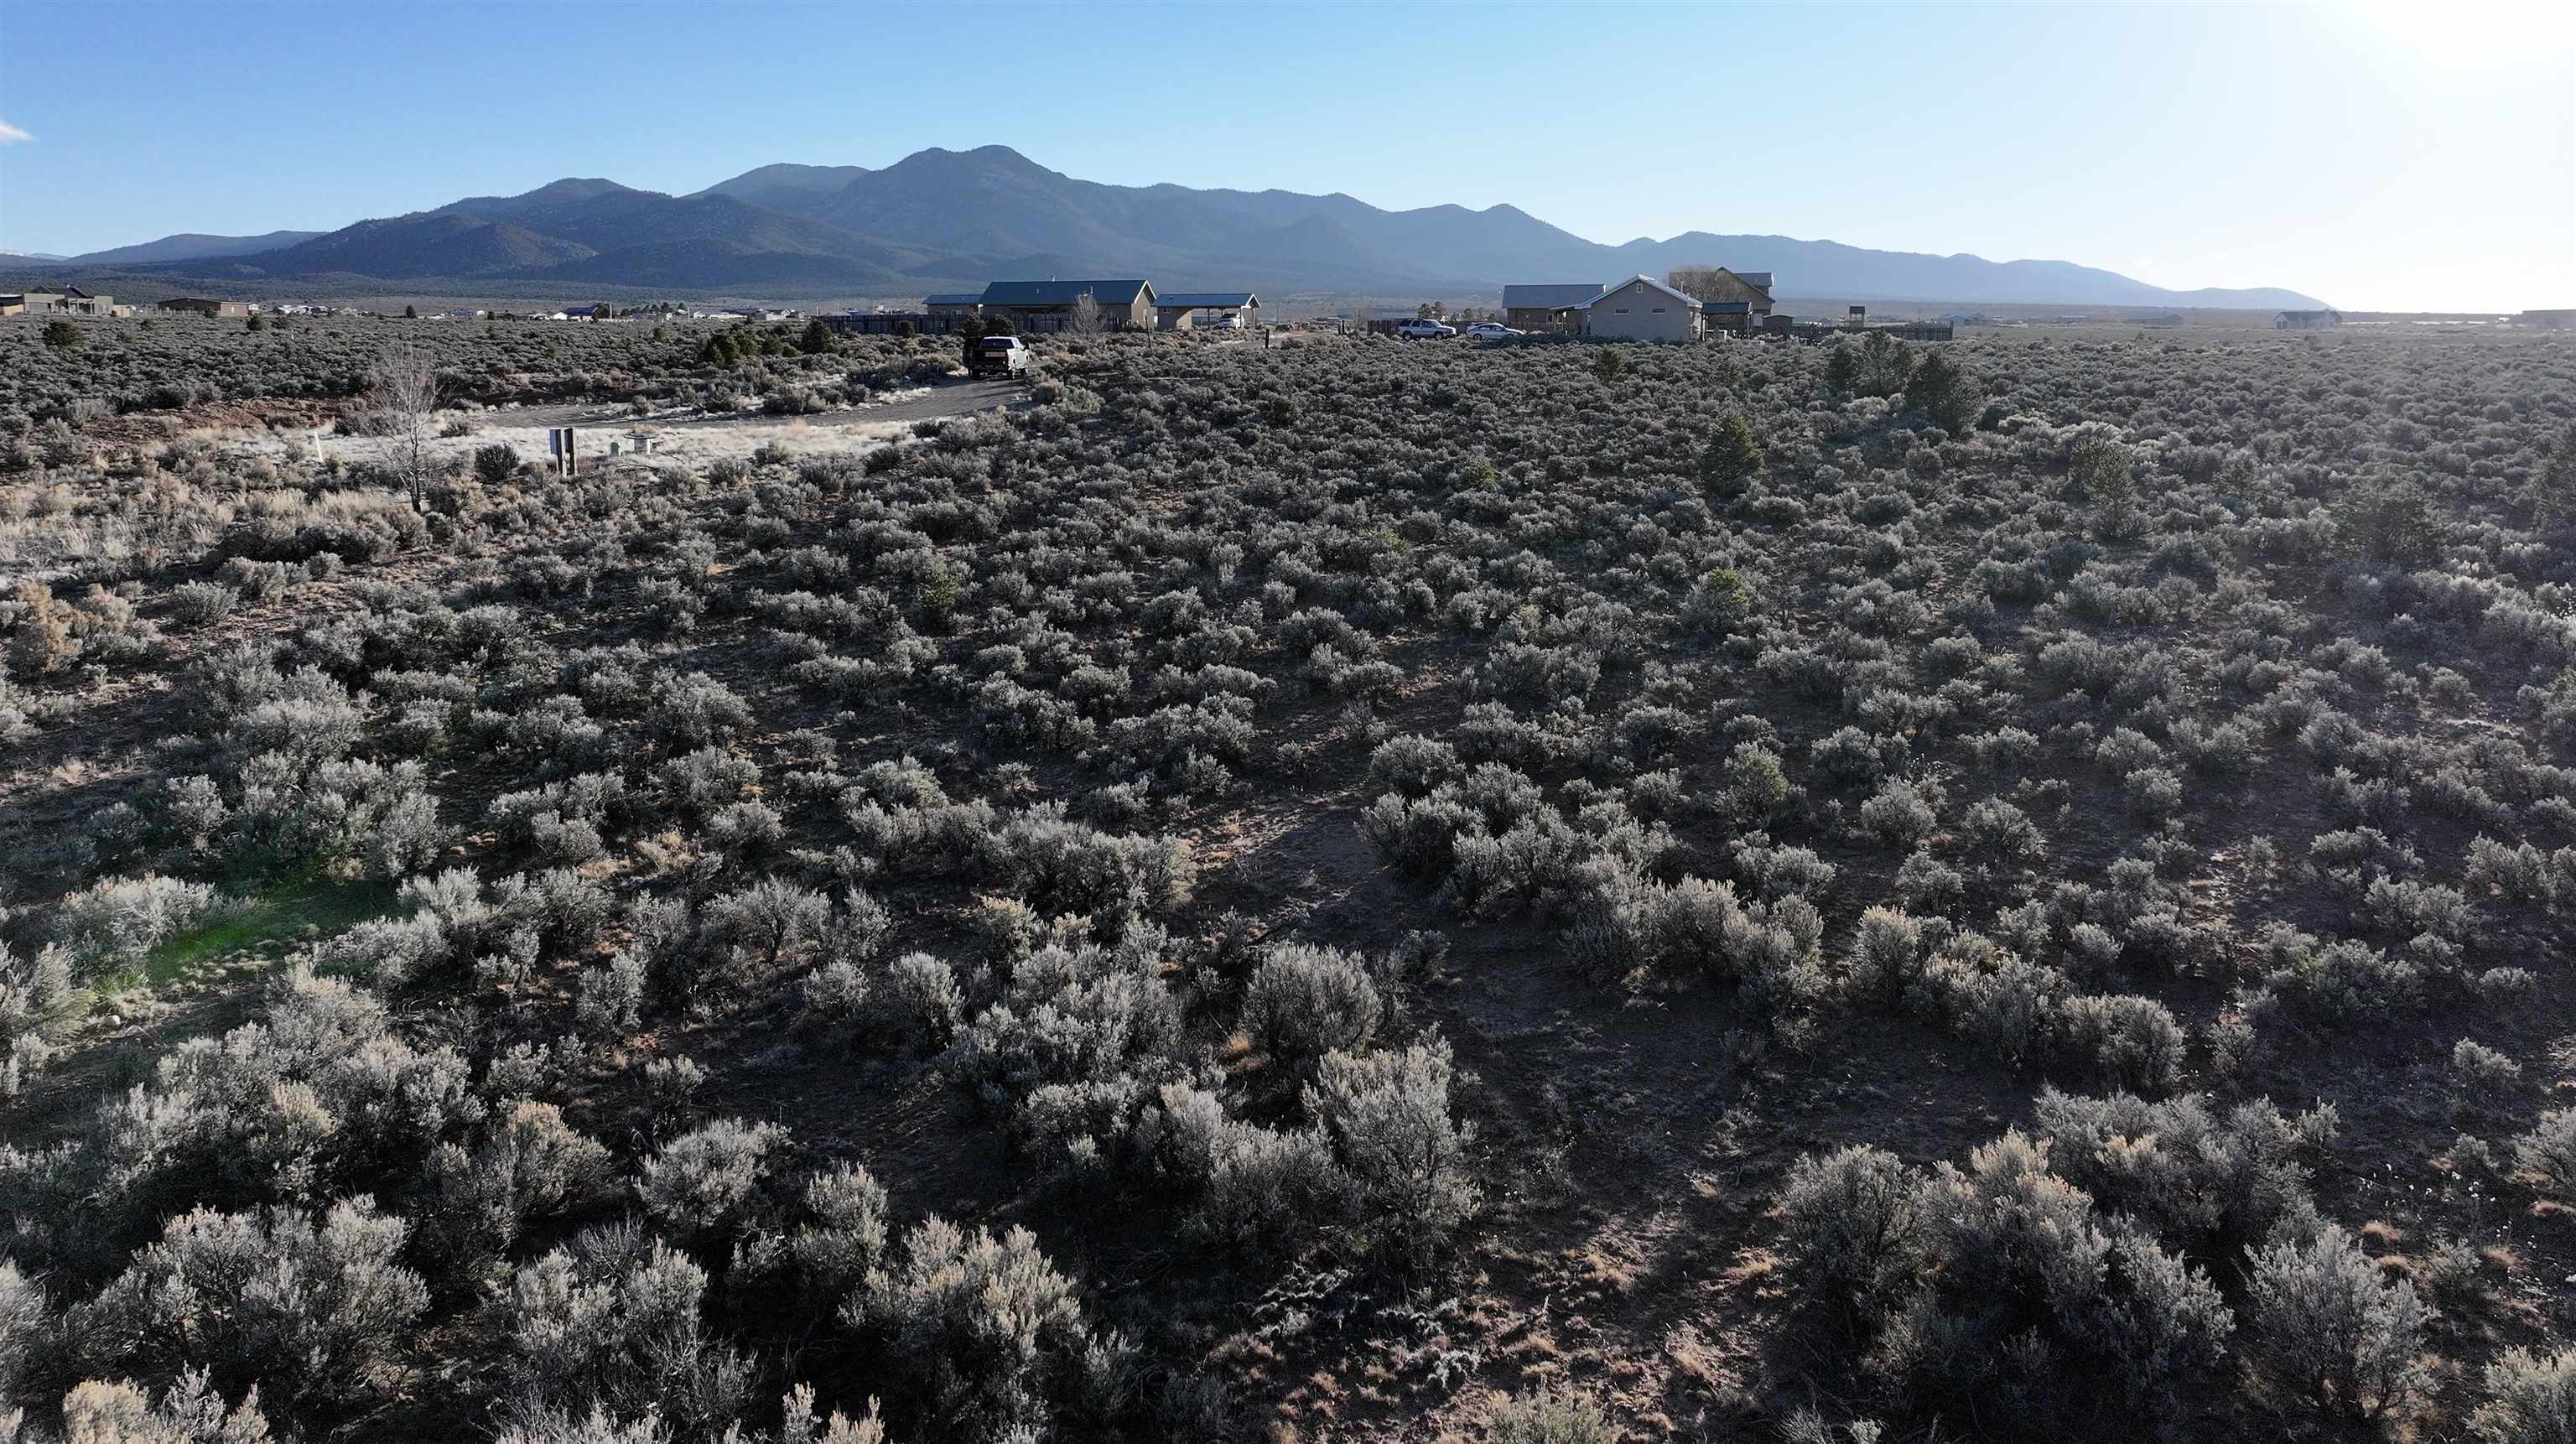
947 220
191 246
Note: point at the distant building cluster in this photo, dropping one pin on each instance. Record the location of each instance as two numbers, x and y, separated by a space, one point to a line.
201 306
2307 320
1056 305
1642 308
69 301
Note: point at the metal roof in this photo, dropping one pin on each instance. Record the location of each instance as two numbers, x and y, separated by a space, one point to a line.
1549 298
971 298
1062 293
1651 282
1755 278
1195 300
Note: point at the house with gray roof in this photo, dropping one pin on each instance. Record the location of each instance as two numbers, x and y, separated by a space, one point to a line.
1642 308
1049 305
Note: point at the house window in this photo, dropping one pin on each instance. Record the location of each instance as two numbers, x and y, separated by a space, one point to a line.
1659 310
1622 310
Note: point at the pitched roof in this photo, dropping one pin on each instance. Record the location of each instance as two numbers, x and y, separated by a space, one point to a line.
1651 281
971 298
1194 300
1549 298
1759 280
1063 293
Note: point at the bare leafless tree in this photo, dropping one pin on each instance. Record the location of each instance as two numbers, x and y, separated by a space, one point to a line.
1700 283
1086 315
407 393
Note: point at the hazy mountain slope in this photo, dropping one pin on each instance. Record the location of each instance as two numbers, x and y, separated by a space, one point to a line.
425 245
709 264
960 217
597 231
992 199
786 187
609 217
193 246
570 191
1830 268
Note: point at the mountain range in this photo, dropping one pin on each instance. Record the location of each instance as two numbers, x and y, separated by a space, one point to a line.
950 220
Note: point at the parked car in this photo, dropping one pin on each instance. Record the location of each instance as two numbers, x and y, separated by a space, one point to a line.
1491 331
998 356
1424 330
1222 323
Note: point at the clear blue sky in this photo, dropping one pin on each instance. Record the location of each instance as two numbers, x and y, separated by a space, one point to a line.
2397 155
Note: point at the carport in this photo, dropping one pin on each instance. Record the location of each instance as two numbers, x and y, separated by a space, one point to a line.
1176 313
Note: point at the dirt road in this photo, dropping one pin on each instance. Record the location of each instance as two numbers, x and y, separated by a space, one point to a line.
927 403
695 440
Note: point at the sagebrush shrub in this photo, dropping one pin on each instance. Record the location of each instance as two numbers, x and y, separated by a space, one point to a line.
1898 814
2550 1149
188 1412
198 603
2330 1330
316 1311
1545 1415
846 1236
27 1323
114 924
530 1167
2483 1066
1888 956
703 1180
616 1320
2123 1041
993 1335
1303 1002
1853 1225
1387 1114
2531 1399
2217 1178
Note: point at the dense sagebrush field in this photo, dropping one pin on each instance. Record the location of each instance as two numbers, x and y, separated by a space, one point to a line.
2013 890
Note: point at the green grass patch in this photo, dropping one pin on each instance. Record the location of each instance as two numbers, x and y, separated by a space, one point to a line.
284 914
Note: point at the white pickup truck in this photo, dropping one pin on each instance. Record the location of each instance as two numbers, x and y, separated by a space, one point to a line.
997 356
